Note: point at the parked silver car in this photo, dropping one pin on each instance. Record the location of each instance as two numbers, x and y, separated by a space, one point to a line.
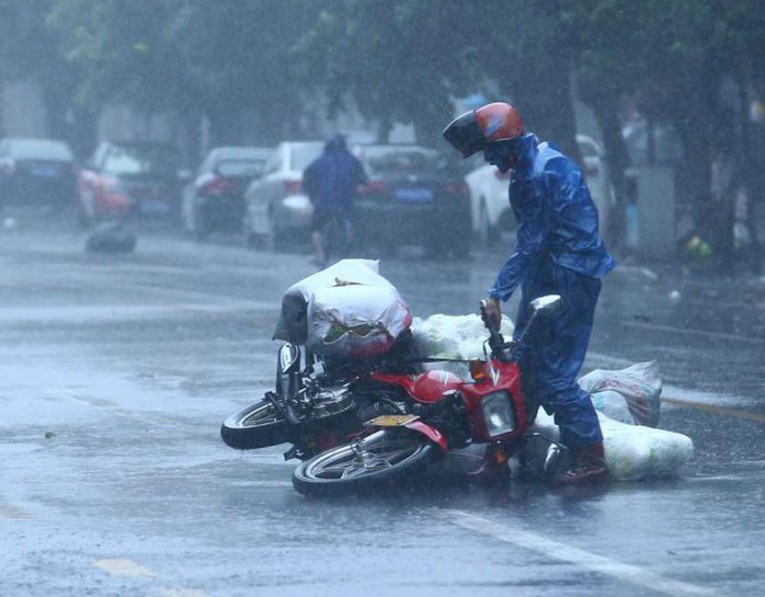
276 208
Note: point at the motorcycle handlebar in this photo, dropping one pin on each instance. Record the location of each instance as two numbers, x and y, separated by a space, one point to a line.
496 340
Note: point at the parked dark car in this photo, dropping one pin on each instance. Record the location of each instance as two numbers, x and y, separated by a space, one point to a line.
37 172
214 200
134 177
413 198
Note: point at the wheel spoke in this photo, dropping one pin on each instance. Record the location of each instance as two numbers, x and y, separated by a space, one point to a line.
365 459
264 415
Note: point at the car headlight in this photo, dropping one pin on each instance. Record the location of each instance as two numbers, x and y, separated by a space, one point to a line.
498 413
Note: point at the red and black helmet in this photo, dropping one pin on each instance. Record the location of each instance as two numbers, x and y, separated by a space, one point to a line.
473 131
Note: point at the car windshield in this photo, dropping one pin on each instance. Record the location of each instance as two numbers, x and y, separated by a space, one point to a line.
302 155
34 149
395 160
141 160
240 167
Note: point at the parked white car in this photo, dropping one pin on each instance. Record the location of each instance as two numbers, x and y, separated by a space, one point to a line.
276 208
490 209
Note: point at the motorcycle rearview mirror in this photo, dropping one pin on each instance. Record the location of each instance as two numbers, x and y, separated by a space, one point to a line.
289 358
550 304
287 367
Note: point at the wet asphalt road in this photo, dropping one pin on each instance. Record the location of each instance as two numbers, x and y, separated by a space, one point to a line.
117 371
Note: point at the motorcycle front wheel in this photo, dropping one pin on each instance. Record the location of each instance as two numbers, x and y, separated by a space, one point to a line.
256 426
381 458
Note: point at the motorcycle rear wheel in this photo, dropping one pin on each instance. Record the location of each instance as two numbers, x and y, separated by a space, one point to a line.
384 457
256 426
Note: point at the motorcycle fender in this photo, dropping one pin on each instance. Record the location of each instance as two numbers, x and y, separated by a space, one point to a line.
431 433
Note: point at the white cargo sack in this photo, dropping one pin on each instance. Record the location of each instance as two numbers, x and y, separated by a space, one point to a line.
633 452
293 321
630 395
355 321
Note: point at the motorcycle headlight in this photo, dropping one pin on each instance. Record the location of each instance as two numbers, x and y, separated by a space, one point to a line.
498 413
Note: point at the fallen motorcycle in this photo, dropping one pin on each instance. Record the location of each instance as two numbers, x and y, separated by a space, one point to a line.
318 404
441 412
360 422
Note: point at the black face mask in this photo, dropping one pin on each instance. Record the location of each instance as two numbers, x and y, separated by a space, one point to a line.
503 154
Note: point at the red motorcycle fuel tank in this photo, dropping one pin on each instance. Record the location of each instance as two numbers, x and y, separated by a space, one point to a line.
426 387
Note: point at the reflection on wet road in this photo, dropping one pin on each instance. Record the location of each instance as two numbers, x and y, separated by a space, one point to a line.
118 371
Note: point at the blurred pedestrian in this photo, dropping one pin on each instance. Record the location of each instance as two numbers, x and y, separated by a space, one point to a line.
558 251
330 182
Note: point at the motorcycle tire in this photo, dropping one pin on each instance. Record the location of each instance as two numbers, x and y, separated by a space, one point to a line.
257 426
366 464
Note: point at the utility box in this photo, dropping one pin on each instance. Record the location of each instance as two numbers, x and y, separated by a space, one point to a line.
654 213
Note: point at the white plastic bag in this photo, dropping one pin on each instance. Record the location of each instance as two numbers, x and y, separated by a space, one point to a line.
453 337
293 321
630 395
355 321
633 452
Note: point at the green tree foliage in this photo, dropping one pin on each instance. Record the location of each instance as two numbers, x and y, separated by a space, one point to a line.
399 61
257 64
29 50
689 63
197 57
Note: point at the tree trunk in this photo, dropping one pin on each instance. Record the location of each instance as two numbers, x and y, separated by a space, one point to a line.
605 107
698 124
752 179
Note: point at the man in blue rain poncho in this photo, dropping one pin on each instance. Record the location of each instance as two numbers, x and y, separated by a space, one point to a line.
330 182
558 251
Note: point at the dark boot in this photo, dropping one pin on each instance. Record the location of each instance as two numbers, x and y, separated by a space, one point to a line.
588 465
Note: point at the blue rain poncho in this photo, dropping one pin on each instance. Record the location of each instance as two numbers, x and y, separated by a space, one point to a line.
331 179
558 251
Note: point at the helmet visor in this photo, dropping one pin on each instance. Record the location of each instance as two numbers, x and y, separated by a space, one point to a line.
465 134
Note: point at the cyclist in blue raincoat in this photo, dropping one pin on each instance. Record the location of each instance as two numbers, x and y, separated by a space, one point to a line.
330 182
558 251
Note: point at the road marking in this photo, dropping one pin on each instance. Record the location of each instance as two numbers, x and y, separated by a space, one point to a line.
560 551
124 567
268 484
692 332
648 273
170 592
8 511
718 410
75 314
609 361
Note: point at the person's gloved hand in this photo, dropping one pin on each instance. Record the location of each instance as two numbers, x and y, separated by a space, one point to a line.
494 311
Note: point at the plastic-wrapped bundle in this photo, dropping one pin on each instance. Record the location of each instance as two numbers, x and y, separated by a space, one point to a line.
355 321
453 337
633 452
293 321
630 395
